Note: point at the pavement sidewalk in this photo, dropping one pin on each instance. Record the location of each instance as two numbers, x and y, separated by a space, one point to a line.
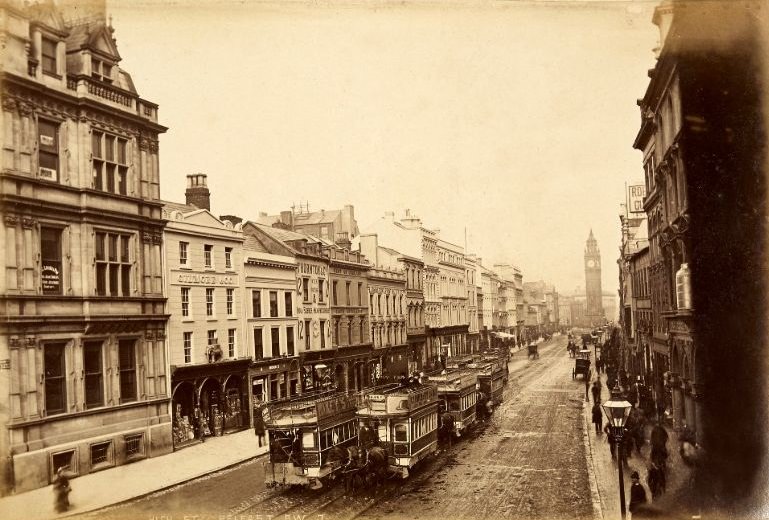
115 485
606 474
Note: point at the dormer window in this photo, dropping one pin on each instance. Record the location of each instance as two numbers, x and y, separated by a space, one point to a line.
49 56
101 71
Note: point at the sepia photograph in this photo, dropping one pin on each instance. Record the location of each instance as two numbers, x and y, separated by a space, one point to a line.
384 259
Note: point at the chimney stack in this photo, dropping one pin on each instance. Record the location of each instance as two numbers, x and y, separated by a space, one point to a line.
287 219
197 191
343 240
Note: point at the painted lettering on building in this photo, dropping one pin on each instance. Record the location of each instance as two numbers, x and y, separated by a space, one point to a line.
205 279
312 269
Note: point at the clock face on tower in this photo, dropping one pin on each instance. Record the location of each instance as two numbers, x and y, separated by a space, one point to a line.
591 263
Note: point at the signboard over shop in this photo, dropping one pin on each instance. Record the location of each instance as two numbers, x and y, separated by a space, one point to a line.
636 194
206 279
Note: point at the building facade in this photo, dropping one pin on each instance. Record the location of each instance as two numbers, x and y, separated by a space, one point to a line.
312 303
203 258
326 225
271 326
83 367
350 330
452 329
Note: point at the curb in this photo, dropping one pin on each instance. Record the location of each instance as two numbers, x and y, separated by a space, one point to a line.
595 494
157 490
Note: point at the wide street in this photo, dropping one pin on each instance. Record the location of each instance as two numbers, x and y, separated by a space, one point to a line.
528 462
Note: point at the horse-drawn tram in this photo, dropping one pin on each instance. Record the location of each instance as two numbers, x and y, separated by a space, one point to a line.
457 397
491 379
403 420
303 432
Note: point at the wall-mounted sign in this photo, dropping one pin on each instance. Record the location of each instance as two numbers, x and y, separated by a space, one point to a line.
205 279
51 278
312 269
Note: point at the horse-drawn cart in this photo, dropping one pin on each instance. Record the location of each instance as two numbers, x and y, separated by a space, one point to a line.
533 351
582 365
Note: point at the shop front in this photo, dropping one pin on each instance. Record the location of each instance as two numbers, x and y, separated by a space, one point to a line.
351 367
208 400
317 369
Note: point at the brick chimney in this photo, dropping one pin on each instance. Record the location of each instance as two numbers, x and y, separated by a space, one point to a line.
197 191
343 240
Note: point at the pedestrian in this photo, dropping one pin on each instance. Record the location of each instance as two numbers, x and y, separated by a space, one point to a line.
656 480
403 381
597 418
659 438
637 492
259 425
611 440
596 390
61 490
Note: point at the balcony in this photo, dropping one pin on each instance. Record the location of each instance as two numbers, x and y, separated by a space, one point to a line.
86 87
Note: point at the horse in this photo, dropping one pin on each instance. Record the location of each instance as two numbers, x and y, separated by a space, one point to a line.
376 468
446 429
350 466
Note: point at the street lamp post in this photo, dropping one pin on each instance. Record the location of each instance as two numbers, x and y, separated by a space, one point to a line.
617 411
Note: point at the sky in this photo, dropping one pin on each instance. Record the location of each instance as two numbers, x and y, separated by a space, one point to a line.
509 122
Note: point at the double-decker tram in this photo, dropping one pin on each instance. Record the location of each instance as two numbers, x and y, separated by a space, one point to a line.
491 379
457 396
403 420
302 432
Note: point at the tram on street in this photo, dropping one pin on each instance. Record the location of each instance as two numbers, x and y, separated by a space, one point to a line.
457 396
302 433
491 380
403 420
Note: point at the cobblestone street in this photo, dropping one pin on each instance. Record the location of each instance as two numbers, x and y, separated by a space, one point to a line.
528 463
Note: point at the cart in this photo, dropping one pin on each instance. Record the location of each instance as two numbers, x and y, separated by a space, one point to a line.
533 351
582 365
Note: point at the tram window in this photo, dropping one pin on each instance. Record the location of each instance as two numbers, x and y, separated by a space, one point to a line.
308 440
401 433
382 432
454 405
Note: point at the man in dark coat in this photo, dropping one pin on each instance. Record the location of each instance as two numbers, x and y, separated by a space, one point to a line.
637 492
259 425
596 390
597 418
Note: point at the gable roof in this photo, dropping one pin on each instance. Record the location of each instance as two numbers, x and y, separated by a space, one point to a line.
94 36
178 206
316 217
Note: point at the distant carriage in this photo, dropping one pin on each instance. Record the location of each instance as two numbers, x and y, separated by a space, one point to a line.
457 397
402 420
582 365
533 351
306 436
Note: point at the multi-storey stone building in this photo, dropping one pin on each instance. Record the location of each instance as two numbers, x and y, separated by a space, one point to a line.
271 324
313 311
451 332
413 240
391 262
208 358
350 333
490 284
472 285
83 366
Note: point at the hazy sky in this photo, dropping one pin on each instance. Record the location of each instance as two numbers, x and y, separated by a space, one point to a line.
514 120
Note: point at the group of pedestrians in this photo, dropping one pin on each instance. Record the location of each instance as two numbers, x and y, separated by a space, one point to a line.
633 439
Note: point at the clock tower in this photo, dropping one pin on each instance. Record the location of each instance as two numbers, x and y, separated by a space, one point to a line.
593 302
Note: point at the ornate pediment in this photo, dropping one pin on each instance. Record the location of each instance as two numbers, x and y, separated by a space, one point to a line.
46 15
